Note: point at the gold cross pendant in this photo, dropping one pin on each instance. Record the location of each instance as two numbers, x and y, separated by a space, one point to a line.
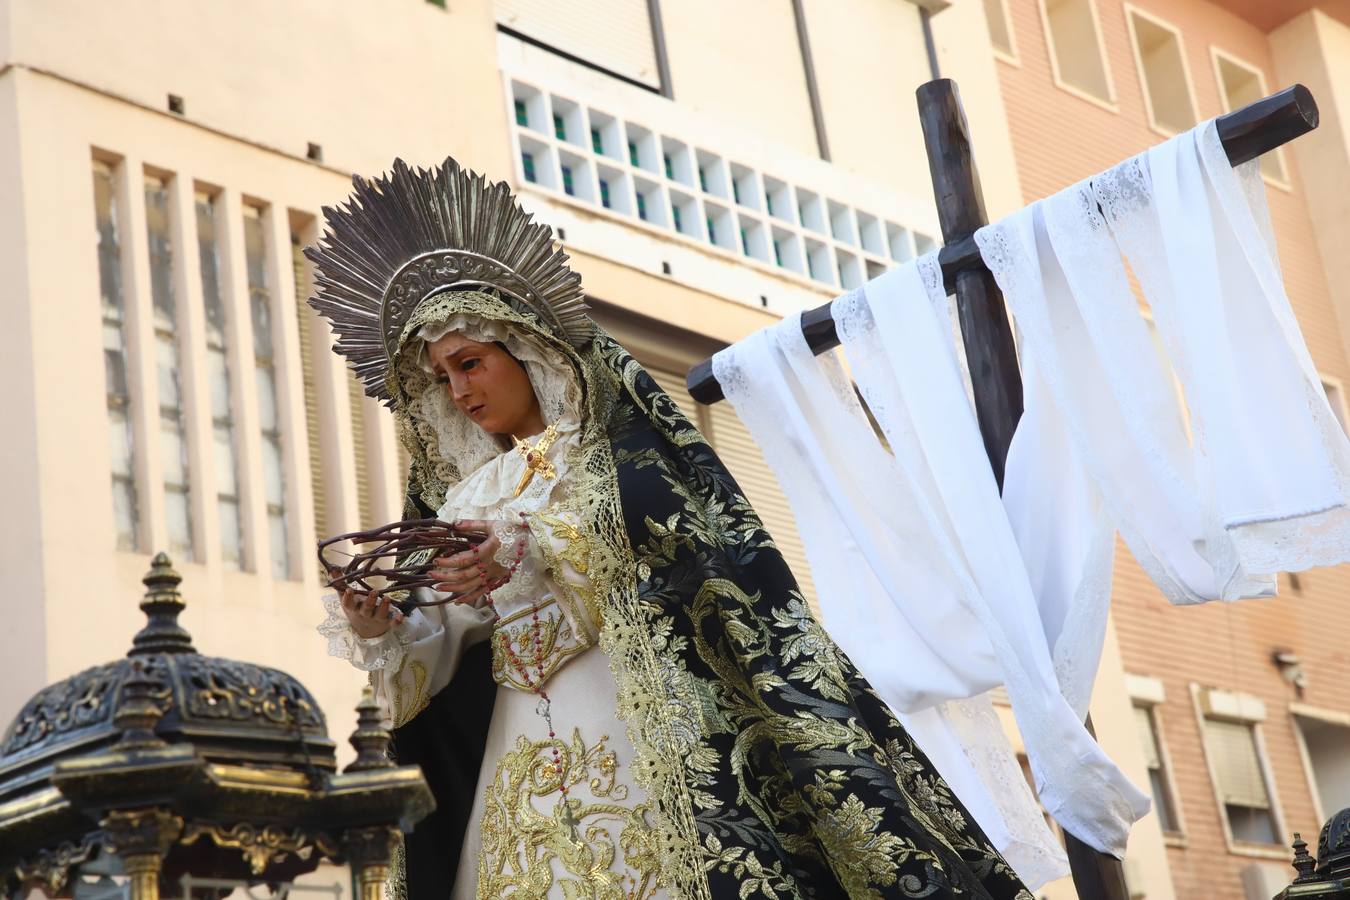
536 460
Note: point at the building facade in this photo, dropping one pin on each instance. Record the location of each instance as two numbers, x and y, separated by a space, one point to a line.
1243 710
709 167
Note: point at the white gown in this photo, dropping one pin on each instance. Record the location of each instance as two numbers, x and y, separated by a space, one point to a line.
524 839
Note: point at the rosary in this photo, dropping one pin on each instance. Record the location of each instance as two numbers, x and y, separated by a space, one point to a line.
544 708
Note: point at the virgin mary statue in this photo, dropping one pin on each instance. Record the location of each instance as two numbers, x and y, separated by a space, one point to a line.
625 695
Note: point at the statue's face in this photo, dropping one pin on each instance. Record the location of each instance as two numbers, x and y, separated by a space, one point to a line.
487 384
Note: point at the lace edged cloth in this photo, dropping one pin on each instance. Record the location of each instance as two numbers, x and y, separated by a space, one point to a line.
1217 473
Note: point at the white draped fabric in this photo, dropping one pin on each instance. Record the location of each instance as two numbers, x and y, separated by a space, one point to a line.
1250 475
920 583
1214 451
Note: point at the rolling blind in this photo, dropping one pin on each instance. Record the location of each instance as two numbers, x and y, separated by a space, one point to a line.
304 316
356 398
1232 748
612 34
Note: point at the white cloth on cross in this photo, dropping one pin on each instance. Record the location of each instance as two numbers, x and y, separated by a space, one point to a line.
1214 449
919 574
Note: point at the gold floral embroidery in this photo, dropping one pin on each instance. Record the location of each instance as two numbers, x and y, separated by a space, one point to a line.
401 712
576 543
533 838
578 549
516 636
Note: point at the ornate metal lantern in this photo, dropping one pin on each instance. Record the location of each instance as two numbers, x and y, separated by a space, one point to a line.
168 763
1328 876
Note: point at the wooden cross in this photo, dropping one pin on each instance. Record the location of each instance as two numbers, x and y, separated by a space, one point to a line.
990 352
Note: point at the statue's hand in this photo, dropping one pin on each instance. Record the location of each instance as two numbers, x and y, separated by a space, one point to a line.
370 616
474 572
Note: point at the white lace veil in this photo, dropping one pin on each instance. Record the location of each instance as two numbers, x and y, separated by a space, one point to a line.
454 444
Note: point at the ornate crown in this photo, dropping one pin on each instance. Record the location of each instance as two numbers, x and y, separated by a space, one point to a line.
412 233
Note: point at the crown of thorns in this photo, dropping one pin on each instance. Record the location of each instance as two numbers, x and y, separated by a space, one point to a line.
395 559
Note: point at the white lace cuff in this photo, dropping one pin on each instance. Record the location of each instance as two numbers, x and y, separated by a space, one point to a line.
509 534
366 654
525 579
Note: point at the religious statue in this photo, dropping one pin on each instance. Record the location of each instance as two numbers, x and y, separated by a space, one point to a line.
616 688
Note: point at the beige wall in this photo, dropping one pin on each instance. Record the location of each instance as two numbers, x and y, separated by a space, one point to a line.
89 591
740 64
347 74
23 642
868 64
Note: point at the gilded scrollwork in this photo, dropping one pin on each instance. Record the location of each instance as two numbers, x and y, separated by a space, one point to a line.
51 869
225 689
541 648
261 845
406 707
590 843
146 831
70 706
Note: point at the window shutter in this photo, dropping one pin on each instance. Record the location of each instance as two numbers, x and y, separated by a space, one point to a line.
1232 748
356 398
304 317
1148 740
613 34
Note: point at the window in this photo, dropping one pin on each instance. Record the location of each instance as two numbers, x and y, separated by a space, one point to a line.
612 35
218 372
121 435
1240 781
1239 85
1325 739
321 412
309 353
262 313
1075 42
1163 74
172 433
601 160
1000 28
1159 779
